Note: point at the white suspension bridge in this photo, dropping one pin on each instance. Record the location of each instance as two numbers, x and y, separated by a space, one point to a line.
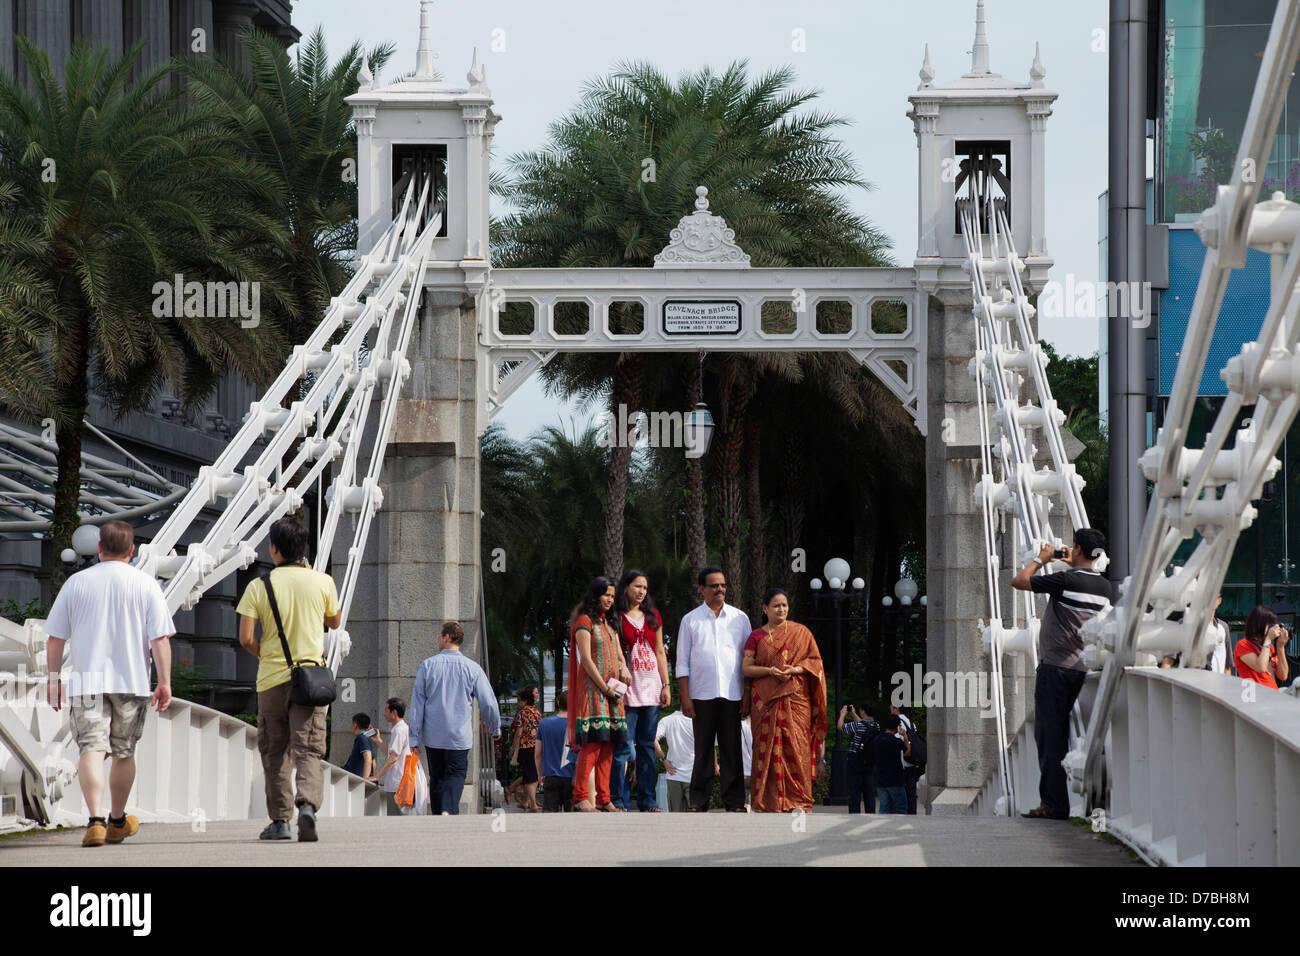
1164 756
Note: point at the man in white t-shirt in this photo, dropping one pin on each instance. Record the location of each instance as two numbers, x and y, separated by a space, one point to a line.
112 617
678 731
390 774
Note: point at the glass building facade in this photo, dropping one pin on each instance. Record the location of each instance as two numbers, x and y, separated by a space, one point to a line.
1204 63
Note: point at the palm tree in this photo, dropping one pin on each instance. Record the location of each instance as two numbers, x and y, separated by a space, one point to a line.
586 200
126 188
26 299
291 118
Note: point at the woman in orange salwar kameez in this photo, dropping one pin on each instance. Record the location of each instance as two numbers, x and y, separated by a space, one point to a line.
787 708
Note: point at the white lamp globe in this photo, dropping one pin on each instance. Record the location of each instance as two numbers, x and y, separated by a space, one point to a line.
85 540
905 590
836 568
68 556
922 600
887 601
859 584
836 584
815 584
905 600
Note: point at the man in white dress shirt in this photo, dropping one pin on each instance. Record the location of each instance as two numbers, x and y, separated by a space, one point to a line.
710 648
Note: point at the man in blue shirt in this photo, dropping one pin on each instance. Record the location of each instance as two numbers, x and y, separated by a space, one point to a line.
362 759
555 762
442 716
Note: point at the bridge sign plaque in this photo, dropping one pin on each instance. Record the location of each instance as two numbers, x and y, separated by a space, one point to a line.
702 317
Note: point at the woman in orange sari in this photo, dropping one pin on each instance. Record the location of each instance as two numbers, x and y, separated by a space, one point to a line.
787 708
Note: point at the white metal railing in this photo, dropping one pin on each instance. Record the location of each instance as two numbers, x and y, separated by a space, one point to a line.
352 365
1009 363
1203 771
1204 493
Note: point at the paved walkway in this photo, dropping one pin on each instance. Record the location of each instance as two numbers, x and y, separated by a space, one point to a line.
625 839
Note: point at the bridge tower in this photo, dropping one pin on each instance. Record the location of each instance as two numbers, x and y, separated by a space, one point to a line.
422 557
985 128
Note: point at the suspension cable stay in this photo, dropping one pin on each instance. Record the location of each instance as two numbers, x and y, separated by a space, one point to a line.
1009 363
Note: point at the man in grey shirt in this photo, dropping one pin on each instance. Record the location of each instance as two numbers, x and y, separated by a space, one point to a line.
1075 595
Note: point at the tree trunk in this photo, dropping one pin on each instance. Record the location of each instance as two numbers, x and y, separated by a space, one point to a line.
735 399
696 543
793 509
757 550
72 368
627 393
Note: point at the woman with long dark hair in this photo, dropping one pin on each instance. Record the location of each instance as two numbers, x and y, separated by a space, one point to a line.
641 636
596 720
1261 655
787 708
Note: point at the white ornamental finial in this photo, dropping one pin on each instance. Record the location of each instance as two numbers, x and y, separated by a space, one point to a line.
979 58
424 57
475 74
702 241
364 76
1036 72
927 71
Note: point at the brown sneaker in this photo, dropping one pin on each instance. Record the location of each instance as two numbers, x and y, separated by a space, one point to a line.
95 834
117 834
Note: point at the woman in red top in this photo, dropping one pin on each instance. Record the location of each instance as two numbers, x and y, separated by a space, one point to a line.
1257 654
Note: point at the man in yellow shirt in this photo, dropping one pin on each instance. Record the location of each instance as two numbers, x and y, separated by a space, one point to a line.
289 736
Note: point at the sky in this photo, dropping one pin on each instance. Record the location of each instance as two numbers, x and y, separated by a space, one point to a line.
863 56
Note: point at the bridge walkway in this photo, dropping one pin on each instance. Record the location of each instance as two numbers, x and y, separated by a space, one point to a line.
822 838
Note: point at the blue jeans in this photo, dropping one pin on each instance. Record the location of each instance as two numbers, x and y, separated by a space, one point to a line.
642 722
892 799
618 785
447 771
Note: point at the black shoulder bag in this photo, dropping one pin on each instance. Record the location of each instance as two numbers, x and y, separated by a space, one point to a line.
311 684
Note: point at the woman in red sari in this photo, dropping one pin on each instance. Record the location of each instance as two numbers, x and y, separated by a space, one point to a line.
787 708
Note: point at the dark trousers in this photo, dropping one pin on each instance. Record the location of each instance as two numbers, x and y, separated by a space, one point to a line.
910 776
1055 691
718 719
557 795
447 771
862 786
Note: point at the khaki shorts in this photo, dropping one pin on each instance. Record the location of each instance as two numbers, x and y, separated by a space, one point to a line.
108 722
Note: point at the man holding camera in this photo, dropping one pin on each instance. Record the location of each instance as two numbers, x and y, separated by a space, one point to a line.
1075 595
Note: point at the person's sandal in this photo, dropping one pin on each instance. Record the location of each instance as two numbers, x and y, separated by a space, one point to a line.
611 808
585 806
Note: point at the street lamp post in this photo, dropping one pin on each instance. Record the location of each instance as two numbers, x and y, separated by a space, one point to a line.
905 591
837 576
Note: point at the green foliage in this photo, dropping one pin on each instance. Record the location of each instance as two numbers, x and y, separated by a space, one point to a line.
188 683
33 609
291 119
1212 146
1075 382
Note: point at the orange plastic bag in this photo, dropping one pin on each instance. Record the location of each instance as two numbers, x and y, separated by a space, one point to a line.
405 795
